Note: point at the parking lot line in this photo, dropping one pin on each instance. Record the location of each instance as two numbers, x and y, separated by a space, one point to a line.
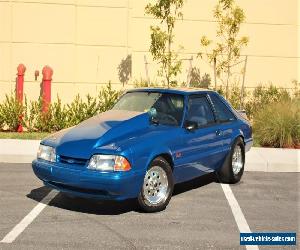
237 213
29 218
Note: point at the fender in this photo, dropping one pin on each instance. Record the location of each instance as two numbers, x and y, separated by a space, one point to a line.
157 152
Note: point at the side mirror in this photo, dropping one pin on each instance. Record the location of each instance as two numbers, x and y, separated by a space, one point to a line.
190 125
153 116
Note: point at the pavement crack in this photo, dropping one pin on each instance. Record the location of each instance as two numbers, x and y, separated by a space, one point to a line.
119 235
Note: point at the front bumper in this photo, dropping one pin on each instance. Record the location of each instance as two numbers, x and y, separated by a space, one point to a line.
80 181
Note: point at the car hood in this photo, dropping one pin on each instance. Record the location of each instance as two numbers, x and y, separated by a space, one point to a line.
80 141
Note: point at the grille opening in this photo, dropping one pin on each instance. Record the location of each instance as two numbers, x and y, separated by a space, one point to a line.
72 160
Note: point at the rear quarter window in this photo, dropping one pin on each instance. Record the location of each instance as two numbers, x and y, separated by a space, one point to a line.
223 113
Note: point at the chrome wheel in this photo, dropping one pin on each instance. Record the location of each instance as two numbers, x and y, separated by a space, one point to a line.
237 160
155 186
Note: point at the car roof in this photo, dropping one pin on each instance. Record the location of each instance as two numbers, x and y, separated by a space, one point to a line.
181 91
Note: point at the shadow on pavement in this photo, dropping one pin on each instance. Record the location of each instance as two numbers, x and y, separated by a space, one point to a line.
195 183
103 207
88 206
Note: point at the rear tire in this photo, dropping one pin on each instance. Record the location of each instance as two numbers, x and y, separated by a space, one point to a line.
233 167
158 186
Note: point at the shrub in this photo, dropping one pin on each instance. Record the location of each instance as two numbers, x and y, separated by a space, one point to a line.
44 121
31 115
36 120
53 120
108 97
79 110
262 96
197 81
296 89
142 83
59 115
234 95
11 112
1 119
278 124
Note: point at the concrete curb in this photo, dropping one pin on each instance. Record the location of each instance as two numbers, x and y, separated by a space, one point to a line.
257 159
18 151
273 160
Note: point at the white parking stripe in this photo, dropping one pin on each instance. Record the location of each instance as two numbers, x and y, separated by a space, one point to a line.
237 213
25 222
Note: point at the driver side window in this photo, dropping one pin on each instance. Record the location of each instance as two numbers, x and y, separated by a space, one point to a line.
199 111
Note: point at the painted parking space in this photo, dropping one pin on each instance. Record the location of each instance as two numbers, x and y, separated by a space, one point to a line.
198 217
270 202
16 181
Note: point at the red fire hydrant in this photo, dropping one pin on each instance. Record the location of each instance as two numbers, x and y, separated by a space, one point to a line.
19 90
46 88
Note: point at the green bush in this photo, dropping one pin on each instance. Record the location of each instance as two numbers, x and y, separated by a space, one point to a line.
234 96
197 81
11 111
262 96
79 110
255 100
1 119
59 115
53 120
35 120
31 111
108 97
278 124
142 83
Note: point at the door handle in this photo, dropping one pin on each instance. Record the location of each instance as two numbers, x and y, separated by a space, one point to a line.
218 132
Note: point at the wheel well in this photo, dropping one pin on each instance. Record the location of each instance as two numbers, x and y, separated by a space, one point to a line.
242 138
168 158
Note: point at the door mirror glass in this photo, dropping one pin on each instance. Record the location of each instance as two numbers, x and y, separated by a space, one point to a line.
153 115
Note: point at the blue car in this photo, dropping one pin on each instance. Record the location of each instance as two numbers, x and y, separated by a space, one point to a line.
149 141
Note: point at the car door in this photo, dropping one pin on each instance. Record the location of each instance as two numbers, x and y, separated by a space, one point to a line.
201 149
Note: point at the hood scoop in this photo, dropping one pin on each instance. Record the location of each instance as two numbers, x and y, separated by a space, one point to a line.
79 141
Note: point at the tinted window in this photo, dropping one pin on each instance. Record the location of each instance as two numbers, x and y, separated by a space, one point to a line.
199 111
169 107
222 112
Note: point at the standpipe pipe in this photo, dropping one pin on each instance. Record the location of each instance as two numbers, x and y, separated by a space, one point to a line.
46 88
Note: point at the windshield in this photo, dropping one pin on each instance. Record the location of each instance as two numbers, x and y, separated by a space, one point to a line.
169 107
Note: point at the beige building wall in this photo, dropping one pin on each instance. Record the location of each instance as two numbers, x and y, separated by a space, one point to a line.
84 41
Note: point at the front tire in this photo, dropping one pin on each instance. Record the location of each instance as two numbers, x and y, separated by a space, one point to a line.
233 167
157 187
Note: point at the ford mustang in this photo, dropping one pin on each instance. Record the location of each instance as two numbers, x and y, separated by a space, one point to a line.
149 141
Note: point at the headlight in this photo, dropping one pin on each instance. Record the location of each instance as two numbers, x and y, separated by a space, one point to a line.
46 153
109 163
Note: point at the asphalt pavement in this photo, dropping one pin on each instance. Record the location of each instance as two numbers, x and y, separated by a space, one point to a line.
198 217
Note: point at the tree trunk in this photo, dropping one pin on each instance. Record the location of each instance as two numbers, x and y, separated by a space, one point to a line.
169 54
227 82
228 73
215 72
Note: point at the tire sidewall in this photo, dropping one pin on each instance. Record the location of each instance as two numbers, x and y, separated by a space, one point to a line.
225 174
237 177
162 163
